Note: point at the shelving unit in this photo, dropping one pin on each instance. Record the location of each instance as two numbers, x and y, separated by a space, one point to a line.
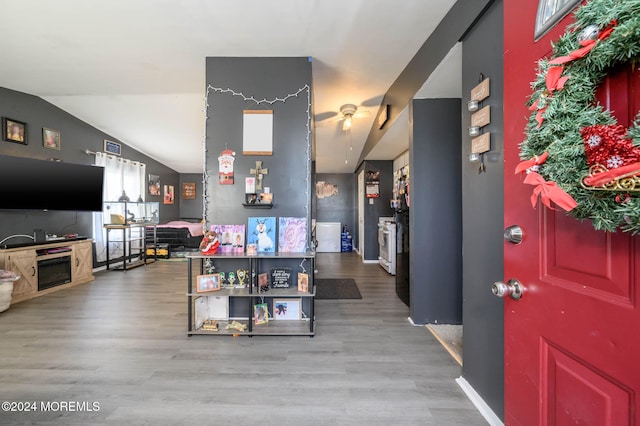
132 219
130 243
241 301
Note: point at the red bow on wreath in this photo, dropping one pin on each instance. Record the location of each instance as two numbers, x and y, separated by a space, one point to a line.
554 81
548 191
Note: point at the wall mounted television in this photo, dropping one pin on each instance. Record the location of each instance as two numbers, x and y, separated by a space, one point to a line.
29 184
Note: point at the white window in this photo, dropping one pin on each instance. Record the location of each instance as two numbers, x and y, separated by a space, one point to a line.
550 12
120 175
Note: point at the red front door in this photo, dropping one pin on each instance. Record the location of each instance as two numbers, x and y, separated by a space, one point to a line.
572 351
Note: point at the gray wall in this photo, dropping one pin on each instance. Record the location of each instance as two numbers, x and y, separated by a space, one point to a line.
75 137
435 236
482 217
289 167
381 207
341 207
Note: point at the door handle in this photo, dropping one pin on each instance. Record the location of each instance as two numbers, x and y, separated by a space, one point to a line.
512 288
514 234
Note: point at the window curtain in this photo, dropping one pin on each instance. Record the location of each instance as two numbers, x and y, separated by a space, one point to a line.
119 175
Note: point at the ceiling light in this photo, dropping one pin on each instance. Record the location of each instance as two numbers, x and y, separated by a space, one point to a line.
346 125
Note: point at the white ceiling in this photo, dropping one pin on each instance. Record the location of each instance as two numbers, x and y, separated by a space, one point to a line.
136 69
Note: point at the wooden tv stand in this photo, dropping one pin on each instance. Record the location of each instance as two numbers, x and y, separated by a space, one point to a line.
24 262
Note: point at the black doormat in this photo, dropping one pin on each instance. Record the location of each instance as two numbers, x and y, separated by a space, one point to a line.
337 288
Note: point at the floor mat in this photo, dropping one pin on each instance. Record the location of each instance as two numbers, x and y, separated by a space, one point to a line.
337 288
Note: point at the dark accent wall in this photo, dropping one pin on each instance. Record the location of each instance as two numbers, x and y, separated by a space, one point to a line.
191 209
450 30
379 207
342 206
75 136
435 240
290 166
482 217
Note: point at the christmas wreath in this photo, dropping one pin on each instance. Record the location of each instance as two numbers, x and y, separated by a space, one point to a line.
575 154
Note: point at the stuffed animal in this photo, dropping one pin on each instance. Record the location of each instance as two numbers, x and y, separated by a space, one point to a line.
209 243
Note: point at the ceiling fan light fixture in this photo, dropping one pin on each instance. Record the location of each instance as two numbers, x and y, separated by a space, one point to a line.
346 124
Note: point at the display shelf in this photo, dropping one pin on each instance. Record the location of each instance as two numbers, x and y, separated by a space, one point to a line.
257 206
242 300
130 243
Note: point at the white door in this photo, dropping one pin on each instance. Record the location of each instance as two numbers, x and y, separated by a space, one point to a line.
361 214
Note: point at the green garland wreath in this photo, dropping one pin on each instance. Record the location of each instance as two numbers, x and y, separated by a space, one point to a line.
558 117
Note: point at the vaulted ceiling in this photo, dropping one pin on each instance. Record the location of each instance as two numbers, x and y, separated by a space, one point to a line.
136 69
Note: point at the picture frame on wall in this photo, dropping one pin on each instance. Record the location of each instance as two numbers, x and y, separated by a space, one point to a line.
14 131
112 147
189 191
169 194
154 185
51 138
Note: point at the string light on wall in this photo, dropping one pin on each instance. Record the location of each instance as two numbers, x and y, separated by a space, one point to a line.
205 177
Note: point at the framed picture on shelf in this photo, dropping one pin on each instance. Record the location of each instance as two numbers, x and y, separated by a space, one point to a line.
251 198
286 309
209 282
50 138
14 131
303 282
261 313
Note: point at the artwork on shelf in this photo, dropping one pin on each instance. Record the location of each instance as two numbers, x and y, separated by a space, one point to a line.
261 231
209 282
154 185
231 238
225 167
303 282
218 307
189 191
200 311
207 308
252 249
51 138
263 282
292 234
251 198
112 147
261 313
265 198
281 277
168 194
257 132
14 131
286 309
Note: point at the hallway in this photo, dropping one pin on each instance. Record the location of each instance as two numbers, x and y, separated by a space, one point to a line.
121 341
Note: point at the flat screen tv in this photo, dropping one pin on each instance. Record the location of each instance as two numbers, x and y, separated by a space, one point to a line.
29 184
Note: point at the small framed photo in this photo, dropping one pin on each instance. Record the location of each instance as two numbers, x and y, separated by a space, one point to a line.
286 309
209 282
251 198
168 194
14 131
112 147
260 313
50 138
154 185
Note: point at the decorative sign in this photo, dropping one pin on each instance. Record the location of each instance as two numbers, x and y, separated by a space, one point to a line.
189 191
112 147
250 185
281 277
257 132
481 118
481 91
481 144
372 186
225 167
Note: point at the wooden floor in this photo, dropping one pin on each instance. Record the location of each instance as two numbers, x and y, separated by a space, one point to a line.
121 342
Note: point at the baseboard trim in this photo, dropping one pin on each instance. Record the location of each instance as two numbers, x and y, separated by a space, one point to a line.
370 261
413 323
477 400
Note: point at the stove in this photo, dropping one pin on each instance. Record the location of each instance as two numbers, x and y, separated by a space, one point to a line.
387 245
